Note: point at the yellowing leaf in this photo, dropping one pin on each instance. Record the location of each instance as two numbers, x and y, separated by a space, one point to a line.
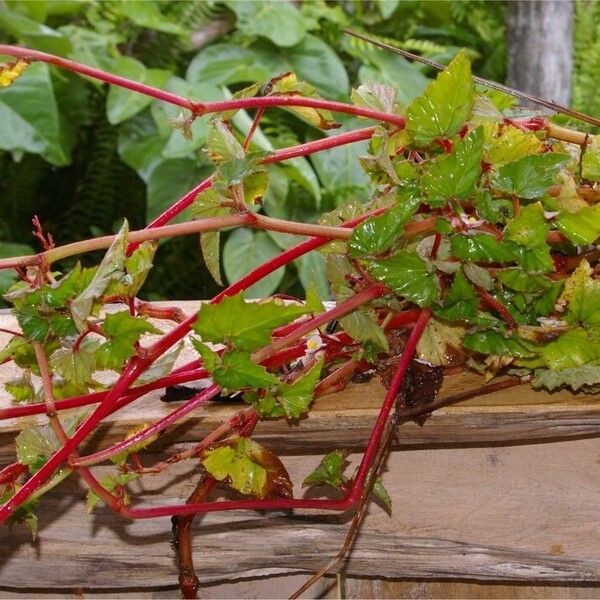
247 467
440 343
12 70
287 84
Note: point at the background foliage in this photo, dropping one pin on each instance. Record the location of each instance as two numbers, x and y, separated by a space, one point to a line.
82 156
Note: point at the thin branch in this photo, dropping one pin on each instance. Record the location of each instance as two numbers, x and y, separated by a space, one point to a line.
486 82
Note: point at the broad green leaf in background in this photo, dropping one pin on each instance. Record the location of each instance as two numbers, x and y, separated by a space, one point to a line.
390 70
91 48
149 16
30 119
248 467
121 104
531 176
244 325
283 24
455 175
408 276
171 179
8 250
245 250
33 34
311 60
446 104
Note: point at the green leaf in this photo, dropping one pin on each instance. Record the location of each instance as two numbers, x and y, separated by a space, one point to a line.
389 69
496 344
576 379
112 268
8 250
482 247
440 343
237 371
516 279
123 332
76 366
446 104
245 250
375 96
208 204
222 145
378 234
35 445
590 162
574 348
137 267
382 494
287 84
30 120
243 325
313 302
24 513
21 389
296 398
122 104
478 275
57 295
329 472
581 228
505 144
408 276
34 326
247 467
161 366
494 210
169 180
531 176
529 228
582 294
33 34
115 484
461 302
283 24
149 16
455 175
210 359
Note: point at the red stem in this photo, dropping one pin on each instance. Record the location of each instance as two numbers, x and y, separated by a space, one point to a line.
203 108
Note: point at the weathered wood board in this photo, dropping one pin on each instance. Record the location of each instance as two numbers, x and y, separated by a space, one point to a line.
518 502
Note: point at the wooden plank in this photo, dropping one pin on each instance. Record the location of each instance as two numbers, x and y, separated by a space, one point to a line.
510 513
